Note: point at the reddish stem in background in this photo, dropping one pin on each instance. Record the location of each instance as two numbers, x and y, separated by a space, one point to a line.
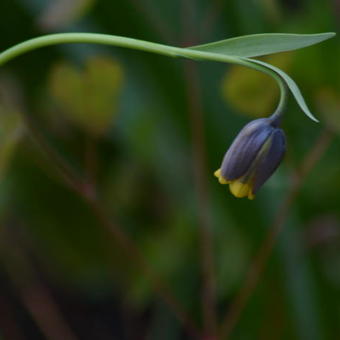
199 161
204 218
35 297
135 254
81 187
8 325
91 165
209 21
159 23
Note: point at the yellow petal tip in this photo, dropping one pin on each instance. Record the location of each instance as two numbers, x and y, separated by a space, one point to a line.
239 190
217 173
221 179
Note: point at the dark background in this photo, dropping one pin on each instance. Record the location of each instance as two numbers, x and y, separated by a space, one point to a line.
112 225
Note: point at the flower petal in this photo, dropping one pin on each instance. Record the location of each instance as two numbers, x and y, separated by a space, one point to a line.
245 148
222 180
271 160
239 189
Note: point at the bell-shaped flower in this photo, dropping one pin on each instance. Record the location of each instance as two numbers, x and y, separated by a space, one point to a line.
253 157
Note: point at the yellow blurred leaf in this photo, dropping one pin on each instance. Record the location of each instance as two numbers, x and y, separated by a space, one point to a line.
251 92
88 97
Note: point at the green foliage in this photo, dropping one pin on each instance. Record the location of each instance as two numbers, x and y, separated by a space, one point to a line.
88 98
261 44
205 52
148 132
257 45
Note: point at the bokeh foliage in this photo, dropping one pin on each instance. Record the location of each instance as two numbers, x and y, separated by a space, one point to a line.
122 119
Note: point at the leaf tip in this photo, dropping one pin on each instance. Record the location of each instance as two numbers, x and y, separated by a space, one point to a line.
312 117
329 35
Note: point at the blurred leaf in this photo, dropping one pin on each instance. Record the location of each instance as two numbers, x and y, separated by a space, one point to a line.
11 130
252 92
300 283
68 242
168 251
262 44
163 325
60 13
328 103
231 261
88 98
272 10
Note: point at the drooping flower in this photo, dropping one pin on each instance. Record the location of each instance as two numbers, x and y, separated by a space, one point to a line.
253 157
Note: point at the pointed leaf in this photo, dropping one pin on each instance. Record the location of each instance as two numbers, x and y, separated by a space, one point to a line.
262 44
291 85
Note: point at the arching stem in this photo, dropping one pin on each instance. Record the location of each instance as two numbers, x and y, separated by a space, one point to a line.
113 40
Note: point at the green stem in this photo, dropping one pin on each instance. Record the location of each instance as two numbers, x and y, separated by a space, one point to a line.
170 51
88 38
276 116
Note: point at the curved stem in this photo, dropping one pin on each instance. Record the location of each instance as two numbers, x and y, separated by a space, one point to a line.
88 38
276 116
93 38
114 40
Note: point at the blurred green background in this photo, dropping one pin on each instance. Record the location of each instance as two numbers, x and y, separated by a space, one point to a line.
109 211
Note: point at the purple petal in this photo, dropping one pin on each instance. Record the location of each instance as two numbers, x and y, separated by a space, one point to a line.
271 160
244 149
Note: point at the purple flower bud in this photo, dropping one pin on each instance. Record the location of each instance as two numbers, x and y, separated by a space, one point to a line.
253 157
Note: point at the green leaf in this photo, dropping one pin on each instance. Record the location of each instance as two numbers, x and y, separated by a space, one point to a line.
262 44
291 85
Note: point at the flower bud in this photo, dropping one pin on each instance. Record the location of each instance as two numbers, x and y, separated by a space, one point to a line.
253 157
